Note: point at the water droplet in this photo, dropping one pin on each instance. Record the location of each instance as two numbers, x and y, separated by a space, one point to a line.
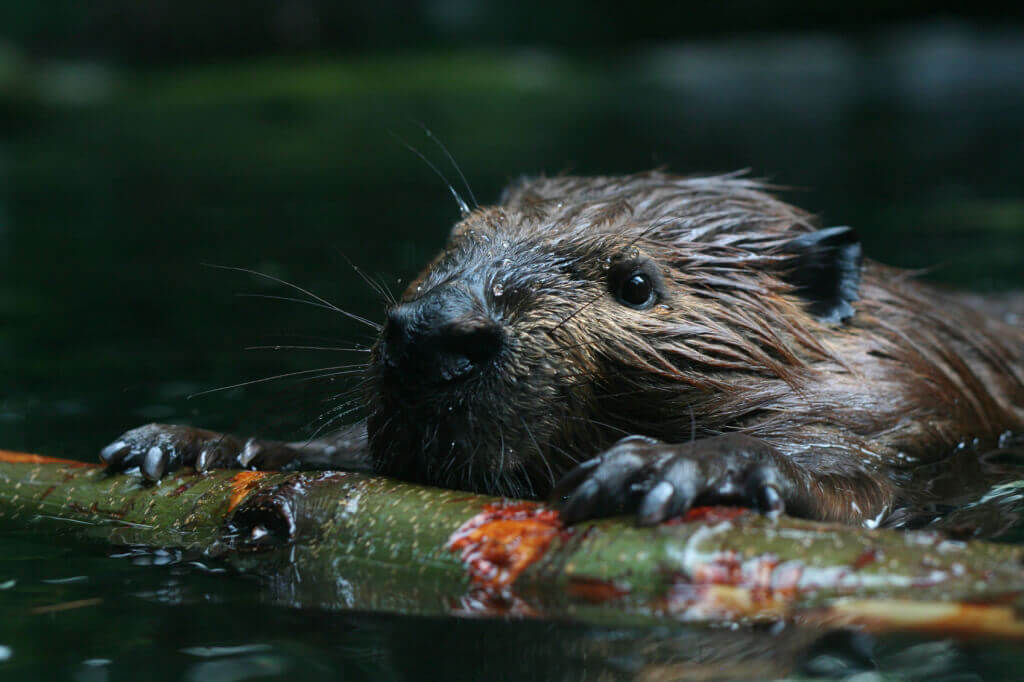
451 408
606 264
634 253
498 290
664 307
504 245
419 288
506 262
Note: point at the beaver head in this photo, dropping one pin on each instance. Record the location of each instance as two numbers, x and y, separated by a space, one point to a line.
580 310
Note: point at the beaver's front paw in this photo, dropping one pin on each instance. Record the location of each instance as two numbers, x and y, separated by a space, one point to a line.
159 449
658 481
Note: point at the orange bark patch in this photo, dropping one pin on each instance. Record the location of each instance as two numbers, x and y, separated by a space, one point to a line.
25 458
757 575
867 557
725 602
963 619
594 590
709 515
728 586
499 543
242 484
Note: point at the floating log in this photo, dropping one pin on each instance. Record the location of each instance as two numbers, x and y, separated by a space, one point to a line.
334 540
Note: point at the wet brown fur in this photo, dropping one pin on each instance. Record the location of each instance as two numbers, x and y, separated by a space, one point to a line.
732 347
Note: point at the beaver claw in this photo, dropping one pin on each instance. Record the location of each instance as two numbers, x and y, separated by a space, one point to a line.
658 481
159 449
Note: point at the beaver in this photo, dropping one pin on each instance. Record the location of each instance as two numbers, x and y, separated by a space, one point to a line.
640 344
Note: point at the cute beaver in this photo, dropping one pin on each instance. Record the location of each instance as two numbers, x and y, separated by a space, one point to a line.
645 343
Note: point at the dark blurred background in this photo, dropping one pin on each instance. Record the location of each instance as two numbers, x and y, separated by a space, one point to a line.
159 32
142 139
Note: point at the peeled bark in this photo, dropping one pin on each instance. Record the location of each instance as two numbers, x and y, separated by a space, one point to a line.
351 541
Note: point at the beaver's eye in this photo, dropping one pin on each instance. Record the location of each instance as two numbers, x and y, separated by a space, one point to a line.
637 290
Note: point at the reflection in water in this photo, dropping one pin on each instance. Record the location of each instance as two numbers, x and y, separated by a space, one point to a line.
213 629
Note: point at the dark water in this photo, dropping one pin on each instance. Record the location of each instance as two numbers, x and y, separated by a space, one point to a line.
116 187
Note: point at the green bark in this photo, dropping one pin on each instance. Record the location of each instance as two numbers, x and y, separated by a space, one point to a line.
345 540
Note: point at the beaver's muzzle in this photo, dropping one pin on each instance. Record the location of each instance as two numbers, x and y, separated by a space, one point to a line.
445 335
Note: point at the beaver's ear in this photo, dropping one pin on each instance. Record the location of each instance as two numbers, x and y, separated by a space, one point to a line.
825 269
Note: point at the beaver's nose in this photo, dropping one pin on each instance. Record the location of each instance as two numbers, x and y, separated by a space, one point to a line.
445 335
